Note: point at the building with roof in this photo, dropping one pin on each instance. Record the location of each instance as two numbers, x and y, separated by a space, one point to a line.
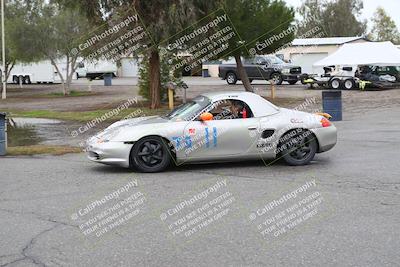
305 52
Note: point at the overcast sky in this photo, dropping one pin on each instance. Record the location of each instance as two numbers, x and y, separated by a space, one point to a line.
392 7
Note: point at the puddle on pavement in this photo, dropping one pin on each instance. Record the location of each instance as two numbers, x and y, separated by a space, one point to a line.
35 131
21 135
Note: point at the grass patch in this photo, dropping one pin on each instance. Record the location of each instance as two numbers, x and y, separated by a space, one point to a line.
85 116
41 149
71 94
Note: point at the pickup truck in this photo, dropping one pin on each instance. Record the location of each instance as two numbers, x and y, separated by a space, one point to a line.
268 67
96 69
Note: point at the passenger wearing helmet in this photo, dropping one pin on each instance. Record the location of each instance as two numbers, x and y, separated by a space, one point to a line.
239 110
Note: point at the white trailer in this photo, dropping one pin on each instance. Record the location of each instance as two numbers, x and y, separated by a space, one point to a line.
45 72
39 72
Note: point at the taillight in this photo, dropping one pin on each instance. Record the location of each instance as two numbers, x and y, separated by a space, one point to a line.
325 122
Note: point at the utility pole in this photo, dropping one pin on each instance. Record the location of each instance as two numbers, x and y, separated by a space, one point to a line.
3 45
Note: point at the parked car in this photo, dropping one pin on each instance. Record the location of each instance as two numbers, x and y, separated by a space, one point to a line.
262 68
214 127
379 73
357 77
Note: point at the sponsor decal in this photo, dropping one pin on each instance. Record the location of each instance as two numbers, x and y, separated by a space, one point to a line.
296 121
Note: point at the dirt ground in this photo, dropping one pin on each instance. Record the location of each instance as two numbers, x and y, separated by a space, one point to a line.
38 97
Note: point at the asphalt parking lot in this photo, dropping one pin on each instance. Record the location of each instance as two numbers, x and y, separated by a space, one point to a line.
353 223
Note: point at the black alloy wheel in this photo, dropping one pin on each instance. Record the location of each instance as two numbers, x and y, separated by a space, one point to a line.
299 149
150 154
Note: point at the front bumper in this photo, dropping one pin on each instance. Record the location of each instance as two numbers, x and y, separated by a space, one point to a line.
327 137
293 77
110 153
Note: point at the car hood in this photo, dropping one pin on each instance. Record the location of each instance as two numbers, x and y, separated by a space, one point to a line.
138 121
120 128
280 66
284 66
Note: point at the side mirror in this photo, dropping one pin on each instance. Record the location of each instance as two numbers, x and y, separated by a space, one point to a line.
267 63
206 116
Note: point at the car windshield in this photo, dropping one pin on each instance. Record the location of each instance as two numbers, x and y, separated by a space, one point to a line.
190 110
275 60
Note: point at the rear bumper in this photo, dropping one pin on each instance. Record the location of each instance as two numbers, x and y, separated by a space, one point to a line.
110 153
327 138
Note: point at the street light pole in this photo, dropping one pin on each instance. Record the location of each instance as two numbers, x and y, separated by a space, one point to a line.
3 45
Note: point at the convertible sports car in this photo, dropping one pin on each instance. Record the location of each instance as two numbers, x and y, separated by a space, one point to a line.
214 127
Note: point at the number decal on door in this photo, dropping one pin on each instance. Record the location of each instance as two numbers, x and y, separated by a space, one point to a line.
188 142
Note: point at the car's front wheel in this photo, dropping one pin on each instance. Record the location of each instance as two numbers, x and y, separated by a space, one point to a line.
150 154
276 78
298 147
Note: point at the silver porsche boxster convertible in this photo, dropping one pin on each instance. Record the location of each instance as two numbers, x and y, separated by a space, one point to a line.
214 127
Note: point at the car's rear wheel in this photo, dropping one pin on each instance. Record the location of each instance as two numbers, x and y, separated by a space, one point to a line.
298 147
231 78
150 154
27 79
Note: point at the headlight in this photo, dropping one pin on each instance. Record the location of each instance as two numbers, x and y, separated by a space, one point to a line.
102 140
107 135
285 71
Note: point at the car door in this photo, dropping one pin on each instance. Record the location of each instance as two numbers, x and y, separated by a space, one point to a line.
221 138
214 139
263 68
251 68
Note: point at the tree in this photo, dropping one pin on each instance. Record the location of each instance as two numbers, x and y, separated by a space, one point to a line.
54 33
311 13
166 76
256 21
12 20
384 28
18 48
161 18
338 18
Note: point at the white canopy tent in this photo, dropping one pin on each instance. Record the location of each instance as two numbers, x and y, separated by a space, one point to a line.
370 53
